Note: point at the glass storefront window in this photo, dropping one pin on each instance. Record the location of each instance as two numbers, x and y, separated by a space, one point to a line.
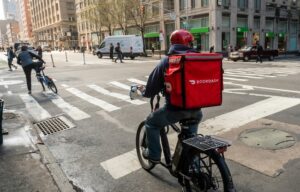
225 40
204 3
282 26
242 22
293 27
257 4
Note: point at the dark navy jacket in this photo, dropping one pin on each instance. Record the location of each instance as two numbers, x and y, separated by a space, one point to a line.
25 58
155 82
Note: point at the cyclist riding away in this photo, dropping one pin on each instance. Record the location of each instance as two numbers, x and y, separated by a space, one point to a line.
25 58
168 114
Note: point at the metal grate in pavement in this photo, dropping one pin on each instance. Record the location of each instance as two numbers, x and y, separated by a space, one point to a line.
54 124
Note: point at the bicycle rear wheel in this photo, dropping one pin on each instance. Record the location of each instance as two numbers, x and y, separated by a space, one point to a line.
52 86
209 172
141 144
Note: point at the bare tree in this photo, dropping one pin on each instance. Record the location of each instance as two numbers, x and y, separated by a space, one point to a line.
137 13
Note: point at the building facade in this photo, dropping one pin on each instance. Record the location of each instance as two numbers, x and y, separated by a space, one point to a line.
25 23
53 23
12 32
9 9
220 23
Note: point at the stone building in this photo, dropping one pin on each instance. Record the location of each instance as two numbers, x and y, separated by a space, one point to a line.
54 23
25 21
218 23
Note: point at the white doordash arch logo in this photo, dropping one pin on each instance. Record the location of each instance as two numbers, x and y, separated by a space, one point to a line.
203 81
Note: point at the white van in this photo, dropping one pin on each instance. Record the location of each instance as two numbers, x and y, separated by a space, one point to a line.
126 42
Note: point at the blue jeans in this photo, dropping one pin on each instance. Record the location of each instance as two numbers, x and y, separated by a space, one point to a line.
163 117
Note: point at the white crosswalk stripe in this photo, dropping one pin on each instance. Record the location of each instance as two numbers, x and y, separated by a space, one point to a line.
127 163
72 111
120 85
34 108
137 81
93 100
116 95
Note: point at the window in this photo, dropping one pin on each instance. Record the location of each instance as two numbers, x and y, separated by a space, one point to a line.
226 21
155 9
193 3
182 4
257 4
282 26
256 23
226 3
168 6
270 24
70 6
242 4
204 3
242 22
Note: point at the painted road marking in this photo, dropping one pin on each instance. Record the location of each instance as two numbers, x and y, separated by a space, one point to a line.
243 76
126 163
10 82
93 100
137 81
33 107
116 95
72 111
247 114
120 85
266 88
234 79
248 74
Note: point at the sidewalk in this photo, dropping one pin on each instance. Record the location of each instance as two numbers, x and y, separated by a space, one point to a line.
21 163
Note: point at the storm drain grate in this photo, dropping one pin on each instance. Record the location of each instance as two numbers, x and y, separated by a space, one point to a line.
54 124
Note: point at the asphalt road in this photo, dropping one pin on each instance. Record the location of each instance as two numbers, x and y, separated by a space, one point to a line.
98 153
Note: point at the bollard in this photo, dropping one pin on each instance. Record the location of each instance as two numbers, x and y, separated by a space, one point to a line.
83 58
66 56
1 115
52 60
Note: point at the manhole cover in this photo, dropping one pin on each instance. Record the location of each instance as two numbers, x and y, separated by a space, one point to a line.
267 138
54 124
9 116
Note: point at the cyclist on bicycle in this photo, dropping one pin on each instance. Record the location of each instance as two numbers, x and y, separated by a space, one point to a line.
168 114
25 58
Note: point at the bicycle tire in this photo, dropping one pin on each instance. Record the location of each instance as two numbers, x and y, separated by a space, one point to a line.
52 86
141 144
217 180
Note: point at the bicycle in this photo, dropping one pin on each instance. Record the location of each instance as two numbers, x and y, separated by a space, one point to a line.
46 80
198 161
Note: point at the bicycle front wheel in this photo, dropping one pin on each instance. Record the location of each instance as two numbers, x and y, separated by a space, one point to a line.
52 86
141 144
209 172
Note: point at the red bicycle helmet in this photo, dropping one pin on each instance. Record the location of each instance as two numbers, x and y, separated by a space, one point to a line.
181 36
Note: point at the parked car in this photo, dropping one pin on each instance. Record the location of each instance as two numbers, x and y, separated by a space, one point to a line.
131 45
250 52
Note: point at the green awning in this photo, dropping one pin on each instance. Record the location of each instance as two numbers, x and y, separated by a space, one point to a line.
270 34
242 29
151 35
200 30
281 35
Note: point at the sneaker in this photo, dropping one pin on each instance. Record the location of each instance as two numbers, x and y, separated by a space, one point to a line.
29 92
145 154
10 70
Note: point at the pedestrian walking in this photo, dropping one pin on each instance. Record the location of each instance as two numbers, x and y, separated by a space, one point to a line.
259 50
25 58
111 51
229 50
10 57
39 51
119 52
152 49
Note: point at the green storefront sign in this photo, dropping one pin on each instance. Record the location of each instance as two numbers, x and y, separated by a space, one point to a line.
281 35
151 35
200 30
270 34
242 29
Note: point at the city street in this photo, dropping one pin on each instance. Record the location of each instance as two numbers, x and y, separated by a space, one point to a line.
98 152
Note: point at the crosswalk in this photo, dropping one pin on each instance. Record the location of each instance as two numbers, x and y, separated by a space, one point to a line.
117 92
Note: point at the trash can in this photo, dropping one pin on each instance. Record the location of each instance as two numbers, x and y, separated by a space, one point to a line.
1 114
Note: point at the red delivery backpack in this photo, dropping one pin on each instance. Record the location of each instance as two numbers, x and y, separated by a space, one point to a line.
195 80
